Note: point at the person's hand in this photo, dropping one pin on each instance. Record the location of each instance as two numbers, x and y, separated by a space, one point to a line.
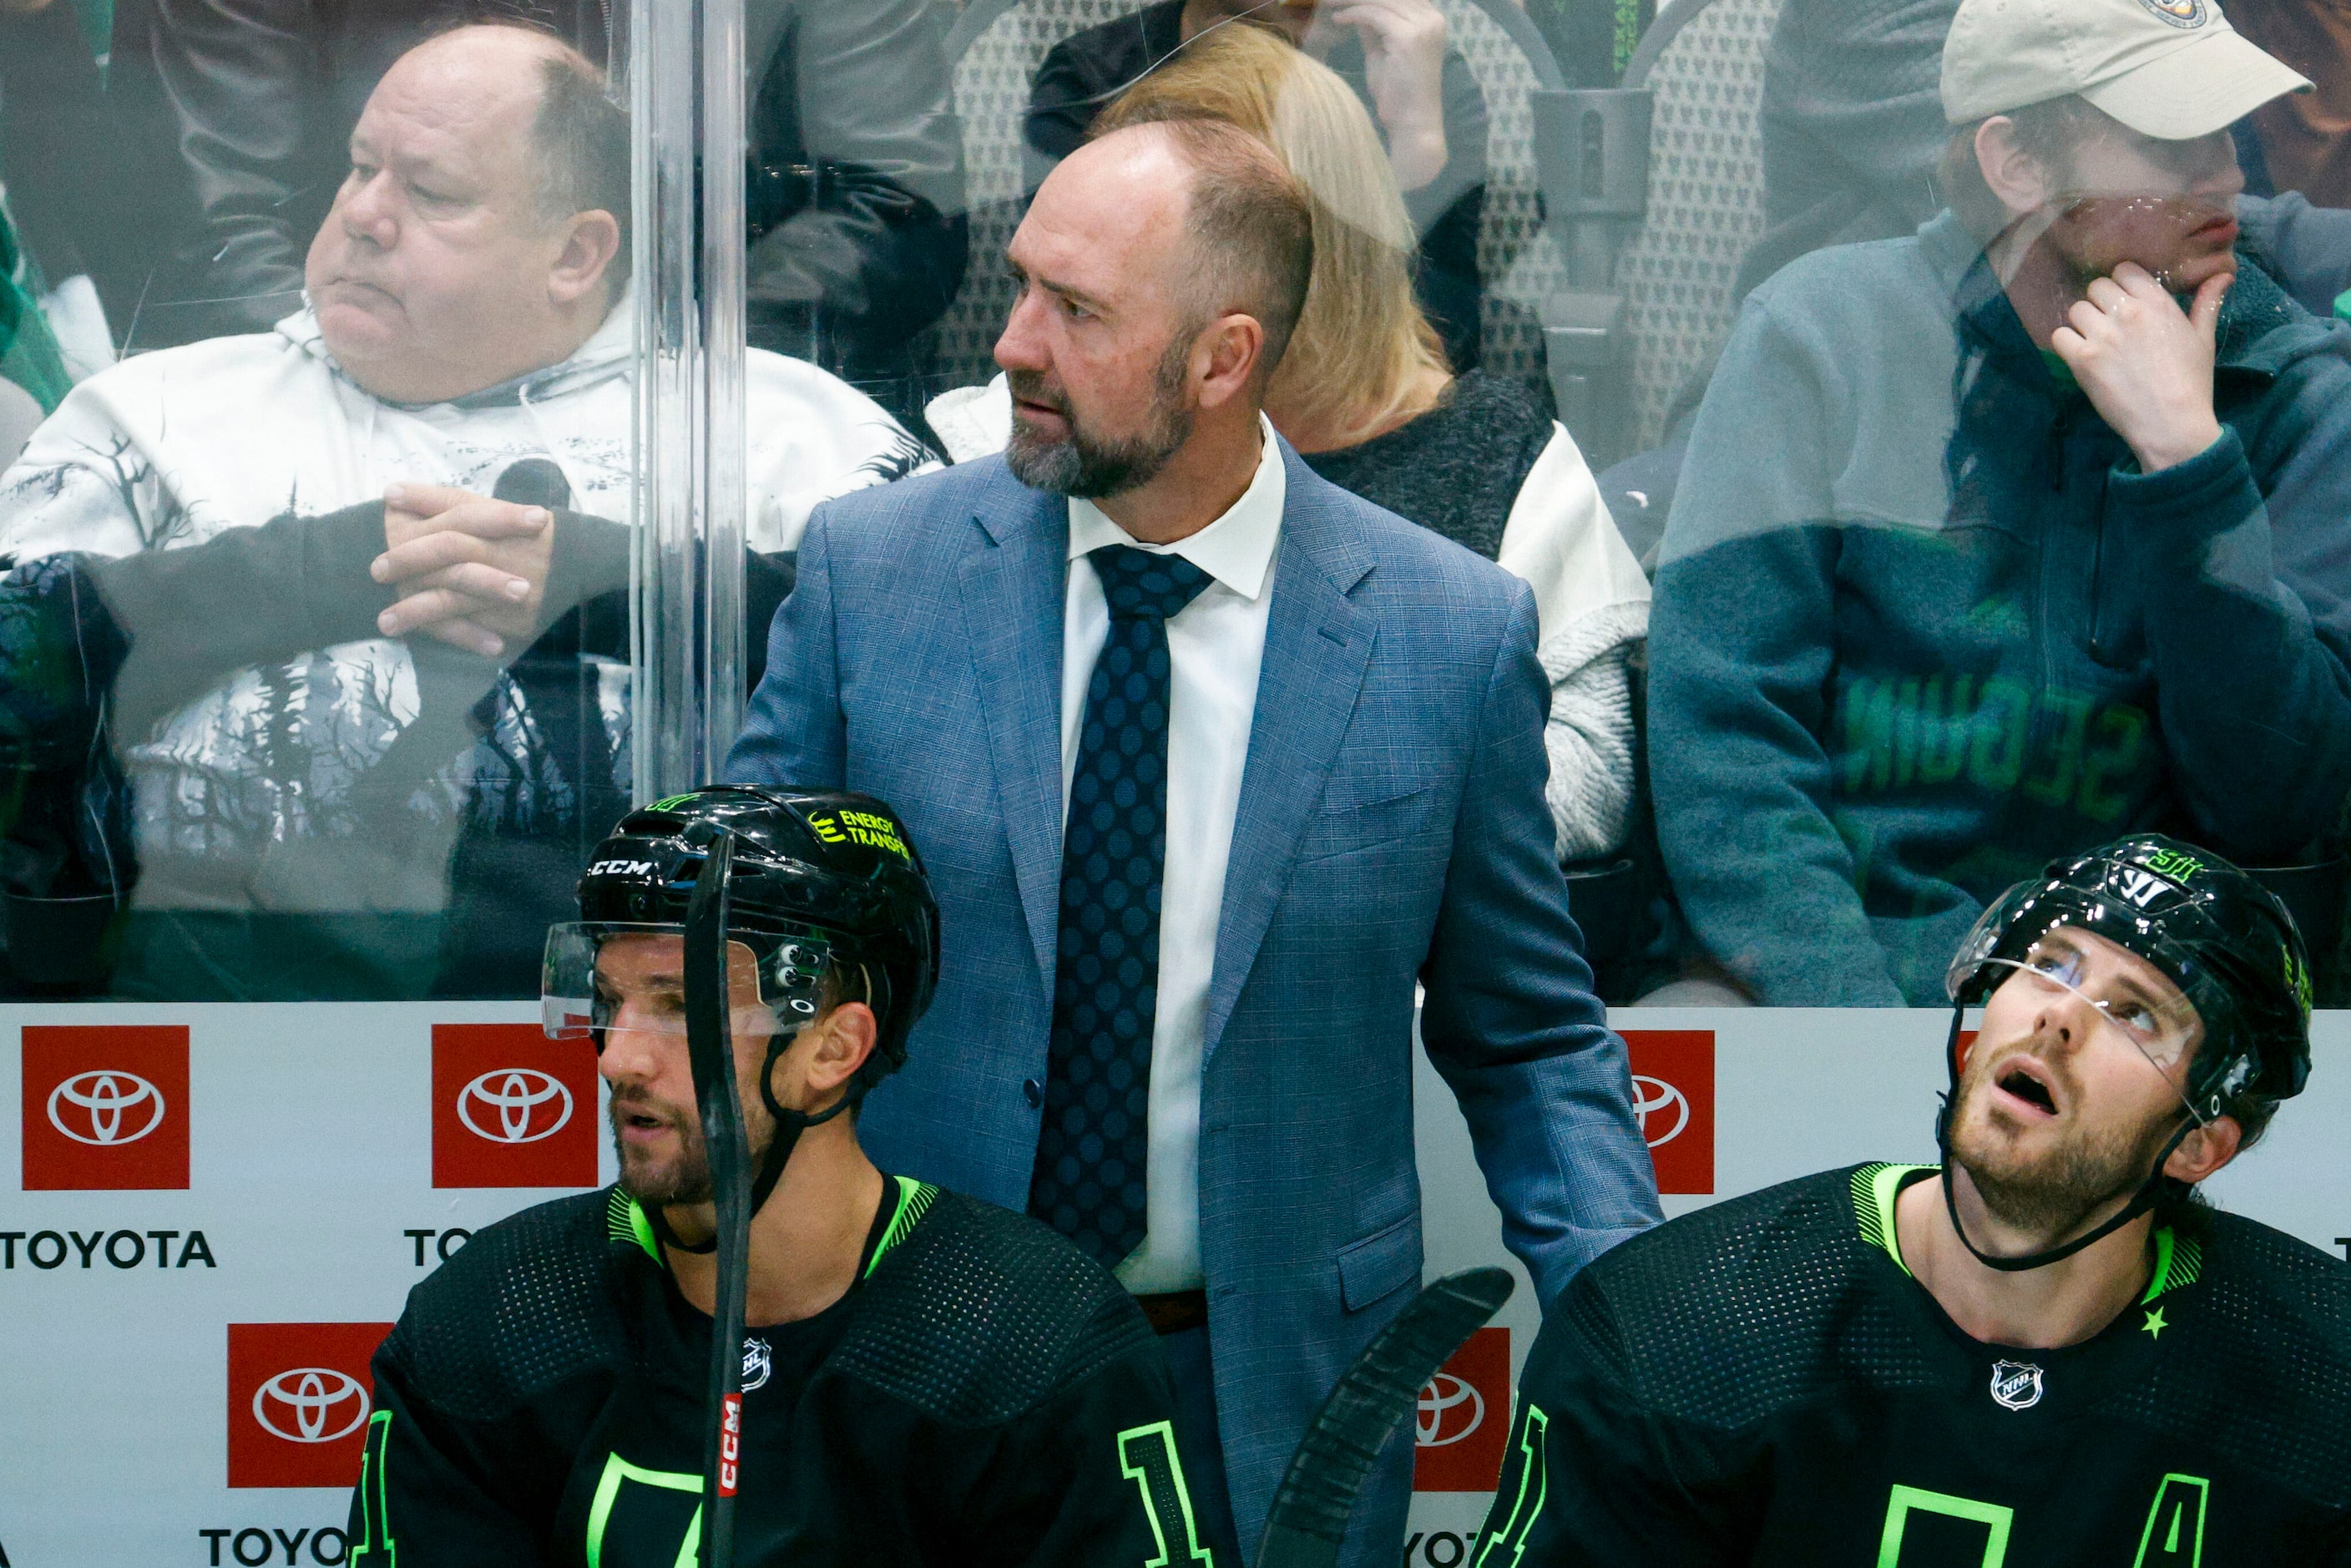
470 570
1404 65
2145 364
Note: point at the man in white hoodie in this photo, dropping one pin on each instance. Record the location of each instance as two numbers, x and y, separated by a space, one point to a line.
317 710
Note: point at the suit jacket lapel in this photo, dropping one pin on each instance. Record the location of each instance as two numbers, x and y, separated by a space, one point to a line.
1013 581
1317 646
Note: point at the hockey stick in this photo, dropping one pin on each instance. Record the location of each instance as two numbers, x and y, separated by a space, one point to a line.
1309 1519
710 1043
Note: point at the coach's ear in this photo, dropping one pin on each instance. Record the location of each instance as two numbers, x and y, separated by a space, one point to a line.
2204 1150
826 1056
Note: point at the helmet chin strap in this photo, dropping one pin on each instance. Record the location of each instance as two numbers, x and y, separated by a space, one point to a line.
2150 1191
789 1126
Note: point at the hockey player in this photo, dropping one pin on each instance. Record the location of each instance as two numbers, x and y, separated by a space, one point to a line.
927 1379
2041 1353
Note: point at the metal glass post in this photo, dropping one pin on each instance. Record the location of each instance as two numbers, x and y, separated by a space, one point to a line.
686 96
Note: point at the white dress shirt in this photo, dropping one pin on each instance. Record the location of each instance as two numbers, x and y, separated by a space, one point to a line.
1215 645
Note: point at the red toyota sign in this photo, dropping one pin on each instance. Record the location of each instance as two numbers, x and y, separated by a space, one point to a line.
511 1107
1673 1094
106 1107
298 1401
1464 1422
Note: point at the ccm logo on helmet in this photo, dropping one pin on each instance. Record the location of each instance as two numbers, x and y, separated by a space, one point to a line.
621 868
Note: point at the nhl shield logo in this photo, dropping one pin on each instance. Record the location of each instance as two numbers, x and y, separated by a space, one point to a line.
758 1364
2015 1385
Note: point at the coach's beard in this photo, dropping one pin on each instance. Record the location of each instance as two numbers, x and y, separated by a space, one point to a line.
1085 466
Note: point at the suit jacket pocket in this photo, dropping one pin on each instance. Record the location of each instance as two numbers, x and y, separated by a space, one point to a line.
1380 1264
1347 828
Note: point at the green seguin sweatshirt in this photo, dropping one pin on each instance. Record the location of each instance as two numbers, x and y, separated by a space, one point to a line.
1921 624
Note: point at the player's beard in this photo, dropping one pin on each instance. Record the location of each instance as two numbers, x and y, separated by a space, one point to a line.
684 1176
2055 1191
1091 467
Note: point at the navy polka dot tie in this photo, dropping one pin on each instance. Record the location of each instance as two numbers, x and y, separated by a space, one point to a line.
1089 1181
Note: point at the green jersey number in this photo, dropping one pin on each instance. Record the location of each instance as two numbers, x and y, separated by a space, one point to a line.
2174 1536
1526 1505
373 1549
637 1512
1910 1502
1146 1456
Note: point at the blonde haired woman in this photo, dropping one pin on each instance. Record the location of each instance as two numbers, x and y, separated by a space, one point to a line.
1364 394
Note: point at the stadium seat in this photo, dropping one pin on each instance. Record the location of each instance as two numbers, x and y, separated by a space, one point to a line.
1655 191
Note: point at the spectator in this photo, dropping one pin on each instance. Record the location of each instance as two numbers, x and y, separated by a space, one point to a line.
1853 134
311 684
2306 137
856 201
1364 394
1394 56
1986 550
856 184
1175 1022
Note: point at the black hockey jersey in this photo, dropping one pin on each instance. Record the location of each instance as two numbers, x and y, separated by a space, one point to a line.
1763 1383
985 1394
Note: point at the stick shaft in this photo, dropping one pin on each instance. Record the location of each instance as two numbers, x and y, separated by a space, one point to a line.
710 1043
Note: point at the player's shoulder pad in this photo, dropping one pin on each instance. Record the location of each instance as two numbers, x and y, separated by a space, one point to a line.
981 1316
525 1304
2269 1378
1722 1315
1720 1248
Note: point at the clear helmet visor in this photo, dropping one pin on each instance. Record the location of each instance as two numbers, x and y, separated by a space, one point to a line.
2156 1020
2163 1029
603 975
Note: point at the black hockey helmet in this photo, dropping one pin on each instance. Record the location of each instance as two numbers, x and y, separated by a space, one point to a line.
823 881
2224 939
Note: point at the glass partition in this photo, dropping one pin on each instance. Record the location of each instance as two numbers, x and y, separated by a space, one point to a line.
410 413
389 500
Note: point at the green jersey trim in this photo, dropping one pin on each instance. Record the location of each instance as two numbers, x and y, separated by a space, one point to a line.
625 1222
2179 1259
914 1200
1875 1187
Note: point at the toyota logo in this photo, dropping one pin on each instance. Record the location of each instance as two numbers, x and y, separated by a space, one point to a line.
1450 1409
1652 1097
107 1103
516 1094
313 1398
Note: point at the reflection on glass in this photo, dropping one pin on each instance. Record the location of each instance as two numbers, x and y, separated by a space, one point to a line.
314 660
2000 539
1398 58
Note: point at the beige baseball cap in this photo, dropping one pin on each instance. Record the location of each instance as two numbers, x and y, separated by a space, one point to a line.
2172 69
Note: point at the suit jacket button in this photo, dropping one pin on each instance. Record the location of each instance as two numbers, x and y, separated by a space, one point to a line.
1032 1092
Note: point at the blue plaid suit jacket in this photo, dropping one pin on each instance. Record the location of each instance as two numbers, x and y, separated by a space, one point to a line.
1391 829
